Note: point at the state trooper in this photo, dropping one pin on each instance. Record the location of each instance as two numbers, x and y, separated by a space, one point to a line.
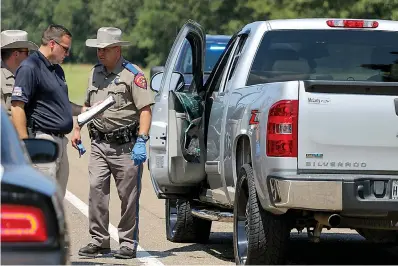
15 48
118 143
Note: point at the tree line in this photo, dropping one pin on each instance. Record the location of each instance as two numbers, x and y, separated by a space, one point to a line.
152 25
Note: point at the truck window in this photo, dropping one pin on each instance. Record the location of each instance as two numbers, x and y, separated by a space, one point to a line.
342 55
238 52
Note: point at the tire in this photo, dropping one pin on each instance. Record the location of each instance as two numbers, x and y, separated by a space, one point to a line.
379 236
259 237
182 226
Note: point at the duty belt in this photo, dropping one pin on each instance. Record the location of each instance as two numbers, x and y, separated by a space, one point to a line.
120 135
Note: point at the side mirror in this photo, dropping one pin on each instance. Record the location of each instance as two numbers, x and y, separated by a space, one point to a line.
156 81
41 150
177 81
155 70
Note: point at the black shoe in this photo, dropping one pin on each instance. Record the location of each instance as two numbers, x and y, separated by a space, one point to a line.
125 253
92 250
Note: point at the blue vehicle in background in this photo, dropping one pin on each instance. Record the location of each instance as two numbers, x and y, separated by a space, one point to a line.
33 224
215 45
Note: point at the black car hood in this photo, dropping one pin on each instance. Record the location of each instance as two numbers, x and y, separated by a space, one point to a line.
28 177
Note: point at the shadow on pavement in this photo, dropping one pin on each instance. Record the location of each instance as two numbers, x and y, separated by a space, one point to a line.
219 246
334 248
93 263
98 260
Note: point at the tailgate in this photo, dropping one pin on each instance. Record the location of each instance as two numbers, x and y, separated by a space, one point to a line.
348 126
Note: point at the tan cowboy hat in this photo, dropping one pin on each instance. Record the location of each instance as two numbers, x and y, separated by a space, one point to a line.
107 37
16 39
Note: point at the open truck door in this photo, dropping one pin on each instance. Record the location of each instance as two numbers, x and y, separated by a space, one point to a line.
174 171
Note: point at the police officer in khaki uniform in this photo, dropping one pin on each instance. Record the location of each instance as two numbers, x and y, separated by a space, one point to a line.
14 49
117 143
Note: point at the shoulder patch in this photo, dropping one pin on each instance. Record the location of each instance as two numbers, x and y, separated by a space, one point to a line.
130 67
140 81
17 91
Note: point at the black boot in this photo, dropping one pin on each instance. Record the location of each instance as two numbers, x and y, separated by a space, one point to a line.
125 253
92 250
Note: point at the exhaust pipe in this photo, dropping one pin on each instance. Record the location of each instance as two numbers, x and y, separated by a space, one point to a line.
331 220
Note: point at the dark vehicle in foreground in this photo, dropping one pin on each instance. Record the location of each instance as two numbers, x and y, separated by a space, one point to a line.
295 128
33 226
214 47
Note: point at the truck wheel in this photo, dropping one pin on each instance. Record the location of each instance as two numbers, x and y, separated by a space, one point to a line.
259 237
182 226
379 236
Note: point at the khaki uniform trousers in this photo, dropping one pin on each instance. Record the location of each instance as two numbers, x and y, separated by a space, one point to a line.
106 159
60 168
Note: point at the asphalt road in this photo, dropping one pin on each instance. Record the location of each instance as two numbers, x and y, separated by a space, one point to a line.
336 246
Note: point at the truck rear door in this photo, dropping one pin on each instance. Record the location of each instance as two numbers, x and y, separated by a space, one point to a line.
348 110
348 126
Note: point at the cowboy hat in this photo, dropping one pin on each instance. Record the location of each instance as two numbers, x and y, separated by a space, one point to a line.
107 37
16 39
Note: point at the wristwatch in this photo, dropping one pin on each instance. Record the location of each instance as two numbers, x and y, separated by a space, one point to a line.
144 137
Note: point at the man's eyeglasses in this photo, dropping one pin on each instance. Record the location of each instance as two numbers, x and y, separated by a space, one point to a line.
26 51
66 49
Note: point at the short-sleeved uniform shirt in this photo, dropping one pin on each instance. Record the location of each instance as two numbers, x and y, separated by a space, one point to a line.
42 87
7 83
129 90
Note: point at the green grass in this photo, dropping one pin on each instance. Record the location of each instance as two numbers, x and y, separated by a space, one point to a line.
77 78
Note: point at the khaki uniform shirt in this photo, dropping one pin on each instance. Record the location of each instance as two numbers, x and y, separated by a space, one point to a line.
130 92
7 84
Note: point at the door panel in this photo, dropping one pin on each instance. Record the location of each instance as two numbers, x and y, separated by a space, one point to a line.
214 132
216 105
168 166
219 133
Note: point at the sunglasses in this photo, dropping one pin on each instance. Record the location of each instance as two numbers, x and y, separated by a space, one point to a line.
26 51
66 49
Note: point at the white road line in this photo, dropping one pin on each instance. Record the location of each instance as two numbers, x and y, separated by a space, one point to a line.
142 255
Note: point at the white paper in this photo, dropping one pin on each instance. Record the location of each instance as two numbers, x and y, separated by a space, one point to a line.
87 116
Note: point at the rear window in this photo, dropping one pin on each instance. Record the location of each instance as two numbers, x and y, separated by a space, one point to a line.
342 55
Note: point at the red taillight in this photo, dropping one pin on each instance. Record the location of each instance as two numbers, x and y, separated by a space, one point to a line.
282 129
20 223
352 23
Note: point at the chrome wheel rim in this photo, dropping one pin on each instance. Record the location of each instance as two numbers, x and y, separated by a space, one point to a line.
172 214
241 227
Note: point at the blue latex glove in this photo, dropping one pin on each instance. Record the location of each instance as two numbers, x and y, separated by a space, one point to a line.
81 148
138 154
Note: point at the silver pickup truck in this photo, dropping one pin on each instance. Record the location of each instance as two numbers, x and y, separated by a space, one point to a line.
295 128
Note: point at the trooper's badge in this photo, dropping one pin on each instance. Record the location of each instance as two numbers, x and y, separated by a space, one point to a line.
140 81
